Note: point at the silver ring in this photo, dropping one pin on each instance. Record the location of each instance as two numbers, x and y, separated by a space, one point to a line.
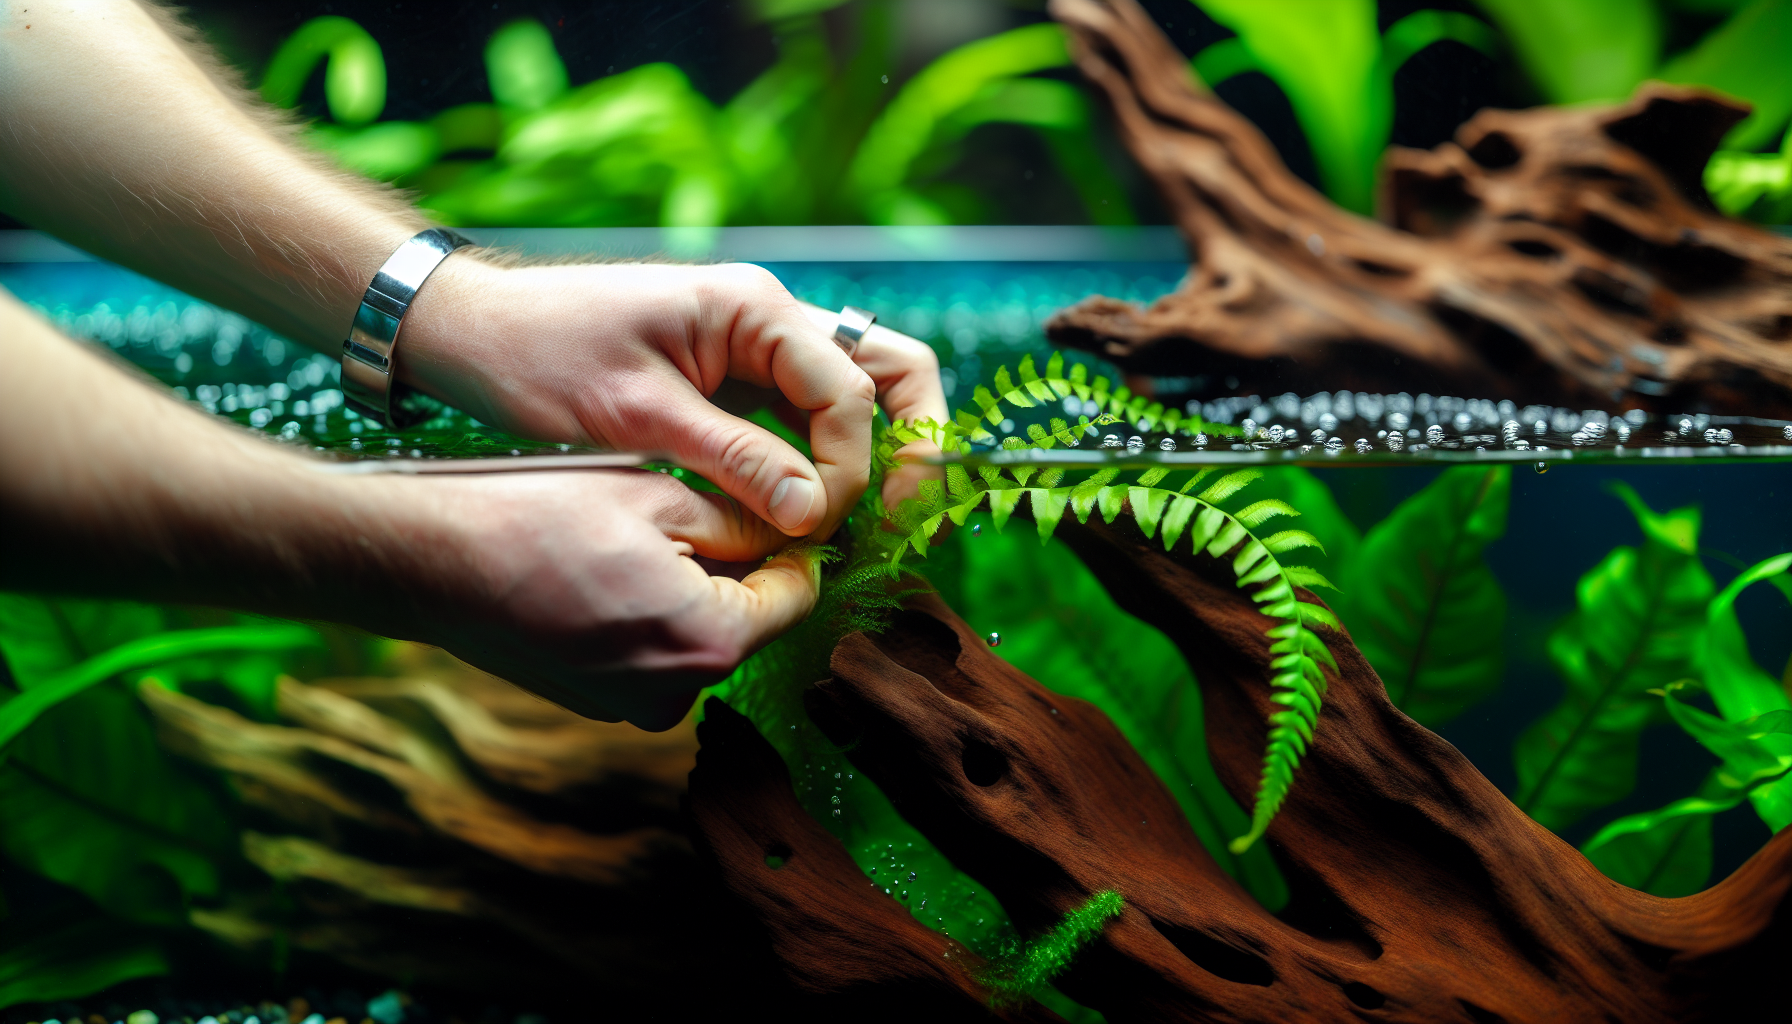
854 322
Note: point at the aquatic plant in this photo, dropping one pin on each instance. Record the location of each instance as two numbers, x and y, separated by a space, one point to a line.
1420 600
1336 69
1256 561
813 139
1667 851
1638 627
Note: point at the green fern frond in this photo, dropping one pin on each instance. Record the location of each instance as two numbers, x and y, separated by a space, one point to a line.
1176 516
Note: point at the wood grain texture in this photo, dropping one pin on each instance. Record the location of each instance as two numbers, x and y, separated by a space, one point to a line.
1565 255
1420 893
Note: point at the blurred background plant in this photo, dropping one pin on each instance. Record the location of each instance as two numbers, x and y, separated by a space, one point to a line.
929 112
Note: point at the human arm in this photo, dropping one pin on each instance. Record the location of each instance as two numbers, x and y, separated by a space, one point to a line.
576 585
127 143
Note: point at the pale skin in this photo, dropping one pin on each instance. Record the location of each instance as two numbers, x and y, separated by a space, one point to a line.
581 586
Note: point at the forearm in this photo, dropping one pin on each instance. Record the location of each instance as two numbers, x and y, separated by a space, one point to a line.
129 493
119 141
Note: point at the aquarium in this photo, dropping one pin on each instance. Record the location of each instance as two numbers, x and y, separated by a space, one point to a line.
1309 615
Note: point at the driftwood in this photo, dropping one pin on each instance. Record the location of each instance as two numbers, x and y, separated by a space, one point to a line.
1564 255
442 827
1420 893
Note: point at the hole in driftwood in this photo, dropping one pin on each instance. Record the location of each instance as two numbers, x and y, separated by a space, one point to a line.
1381 269
1532 247
1428 205
1364 996
983 764
1610 293
777 855
1220 959
1495 151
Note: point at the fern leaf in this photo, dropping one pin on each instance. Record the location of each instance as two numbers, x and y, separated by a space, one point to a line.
1228 539
1054 375
1031 382
1228 485
1083 495
958 482
1111 500
1176 518
1302 576
1290 540
1207 524
1039 436
1316 615
1147 506
1048 508
1257 514
962 511
1199 475
1002 503
1150 477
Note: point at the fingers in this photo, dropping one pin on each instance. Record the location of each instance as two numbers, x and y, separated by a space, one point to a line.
772 342
713 525
906 374
756 467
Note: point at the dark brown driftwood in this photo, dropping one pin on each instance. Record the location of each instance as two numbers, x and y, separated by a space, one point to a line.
1553 255
1420 892
841 939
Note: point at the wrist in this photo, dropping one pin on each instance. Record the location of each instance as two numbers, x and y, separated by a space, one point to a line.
451 344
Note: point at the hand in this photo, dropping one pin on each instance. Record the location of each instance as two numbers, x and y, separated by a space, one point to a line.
582 588
629 355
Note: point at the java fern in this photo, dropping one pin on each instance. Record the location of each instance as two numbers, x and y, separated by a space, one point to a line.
1299 657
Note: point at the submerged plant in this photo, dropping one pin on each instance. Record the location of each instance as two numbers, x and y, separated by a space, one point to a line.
1300 657
1638 627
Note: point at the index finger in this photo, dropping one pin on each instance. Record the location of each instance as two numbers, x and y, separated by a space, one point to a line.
777 345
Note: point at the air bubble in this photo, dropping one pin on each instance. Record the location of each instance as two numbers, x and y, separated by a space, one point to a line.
1168 444
976 529
1135 444
1542 467
1111 441
836 800
1434 434
993 639
1364 446
911 876
1787 431
1396 441
1318 436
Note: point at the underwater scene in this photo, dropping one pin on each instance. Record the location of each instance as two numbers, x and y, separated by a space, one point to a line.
1384 613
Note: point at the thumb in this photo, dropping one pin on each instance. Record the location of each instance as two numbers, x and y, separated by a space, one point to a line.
751 464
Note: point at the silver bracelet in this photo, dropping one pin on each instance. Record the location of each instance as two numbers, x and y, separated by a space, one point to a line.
367 351
854 322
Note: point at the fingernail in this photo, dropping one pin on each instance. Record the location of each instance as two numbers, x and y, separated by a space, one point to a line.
791 501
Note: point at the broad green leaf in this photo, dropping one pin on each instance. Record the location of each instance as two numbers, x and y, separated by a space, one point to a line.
1664 852
1324 54
1584 50
952 81
354 79
1638 627
1746 58
40 636
1059 625
522 66
18 713
92 801
1739 688
1420 601
48 960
